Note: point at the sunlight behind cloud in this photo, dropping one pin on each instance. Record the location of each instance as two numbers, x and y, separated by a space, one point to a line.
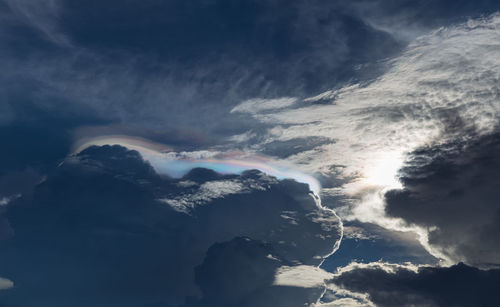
383 171
443 86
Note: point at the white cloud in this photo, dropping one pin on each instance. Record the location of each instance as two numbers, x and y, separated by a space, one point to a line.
304 276
4 201
345 302
290 216
205 193
258 105
186 184
220 188
5 283
385 266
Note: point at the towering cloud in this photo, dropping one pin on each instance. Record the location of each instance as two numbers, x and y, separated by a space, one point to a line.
105 228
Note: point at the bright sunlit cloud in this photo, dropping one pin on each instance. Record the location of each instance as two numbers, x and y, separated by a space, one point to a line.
383 170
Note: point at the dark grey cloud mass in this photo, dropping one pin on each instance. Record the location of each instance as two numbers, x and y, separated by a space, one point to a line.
99 232
239 273
452 189
458 285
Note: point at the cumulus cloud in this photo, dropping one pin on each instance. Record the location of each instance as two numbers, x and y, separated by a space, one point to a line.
102 206
234 271
240 273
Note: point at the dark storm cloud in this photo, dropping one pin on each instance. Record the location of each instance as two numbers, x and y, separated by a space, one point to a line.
396 285
241 273
452 189
99 232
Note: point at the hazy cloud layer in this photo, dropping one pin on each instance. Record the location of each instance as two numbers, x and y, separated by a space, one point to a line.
159 62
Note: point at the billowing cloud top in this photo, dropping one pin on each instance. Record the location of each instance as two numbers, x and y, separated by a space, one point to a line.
116 212
177 165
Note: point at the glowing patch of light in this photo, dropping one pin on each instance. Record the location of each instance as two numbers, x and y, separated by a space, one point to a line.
383 170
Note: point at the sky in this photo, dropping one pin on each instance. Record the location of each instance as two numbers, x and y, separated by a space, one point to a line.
220 153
